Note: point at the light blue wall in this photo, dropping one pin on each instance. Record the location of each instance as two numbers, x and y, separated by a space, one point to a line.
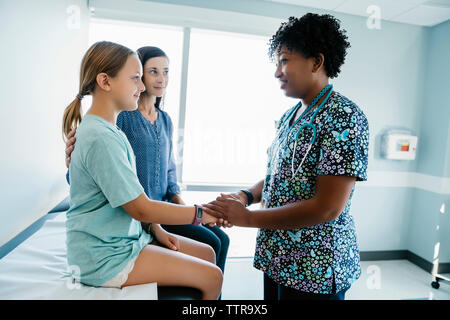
423 222
435 112
381 217
444 217
383 74
444 230
434 152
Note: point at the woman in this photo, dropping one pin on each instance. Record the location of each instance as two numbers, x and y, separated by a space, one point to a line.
306 245
104 237
149 130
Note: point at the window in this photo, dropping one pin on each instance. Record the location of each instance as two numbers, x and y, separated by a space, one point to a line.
233 100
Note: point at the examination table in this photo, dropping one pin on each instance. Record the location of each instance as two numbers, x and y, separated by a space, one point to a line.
33 266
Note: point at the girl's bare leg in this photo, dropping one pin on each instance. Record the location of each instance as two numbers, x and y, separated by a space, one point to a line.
194 248
190 267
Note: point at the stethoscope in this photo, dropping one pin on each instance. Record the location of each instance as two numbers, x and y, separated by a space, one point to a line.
310 125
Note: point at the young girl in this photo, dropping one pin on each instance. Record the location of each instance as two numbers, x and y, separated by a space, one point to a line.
104 236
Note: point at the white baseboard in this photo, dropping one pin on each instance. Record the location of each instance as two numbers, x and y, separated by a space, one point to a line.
440 185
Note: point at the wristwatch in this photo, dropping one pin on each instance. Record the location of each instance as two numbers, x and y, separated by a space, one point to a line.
249 196
198 215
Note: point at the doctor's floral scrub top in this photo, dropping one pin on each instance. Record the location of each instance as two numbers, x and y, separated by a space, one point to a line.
310 259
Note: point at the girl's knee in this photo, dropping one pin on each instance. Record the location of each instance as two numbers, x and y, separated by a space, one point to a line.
210 254
214 281
205 252
219 277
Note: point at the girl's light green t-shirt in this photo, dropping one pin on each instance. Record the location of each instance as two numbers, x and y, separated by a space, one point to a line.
101 236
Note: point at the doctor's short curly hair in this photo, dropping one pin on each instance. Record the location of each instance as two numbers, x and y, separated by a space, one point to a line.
310 35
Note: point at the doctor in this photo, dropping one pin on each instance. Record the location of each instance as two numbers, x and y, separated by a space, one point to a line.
306 244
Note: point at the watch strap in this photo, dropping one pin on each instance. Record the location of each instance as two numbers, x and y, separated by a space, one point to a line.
198 215
249 196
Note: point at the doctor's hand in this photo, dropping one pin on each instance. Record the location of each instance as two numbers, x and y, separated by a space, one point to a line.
233 210
70 145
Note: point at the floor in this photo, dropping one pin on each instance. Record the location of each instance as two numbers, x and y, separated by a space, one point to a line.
380 280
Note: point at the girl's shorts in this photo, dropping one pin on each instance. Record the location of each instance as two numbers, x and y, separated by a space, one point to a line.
121 278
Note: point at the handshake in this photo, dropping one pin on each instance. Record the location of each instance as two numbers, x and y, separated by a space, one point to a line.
227 210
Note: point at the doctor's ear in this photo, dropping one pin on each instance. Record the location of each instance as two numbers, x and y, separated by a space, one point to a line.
102 80
318 62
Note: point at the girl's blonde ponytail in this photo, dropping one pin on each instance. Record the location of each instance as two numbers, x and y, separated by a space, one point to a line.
71 117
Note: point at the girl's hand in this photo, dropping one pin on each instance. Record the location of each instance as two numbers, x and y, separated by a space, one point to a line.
165 238
209 217
70 145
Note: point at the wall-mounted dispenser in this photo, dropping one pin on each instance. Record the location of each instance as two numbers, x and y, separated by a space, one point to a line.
398 144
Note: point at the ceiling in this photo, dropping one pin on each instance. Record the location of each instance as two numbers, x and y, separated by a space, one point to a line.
416 12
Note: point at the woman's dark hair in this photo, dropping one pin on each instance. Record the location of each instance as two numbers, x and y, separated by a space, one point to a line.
146 53
310 35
